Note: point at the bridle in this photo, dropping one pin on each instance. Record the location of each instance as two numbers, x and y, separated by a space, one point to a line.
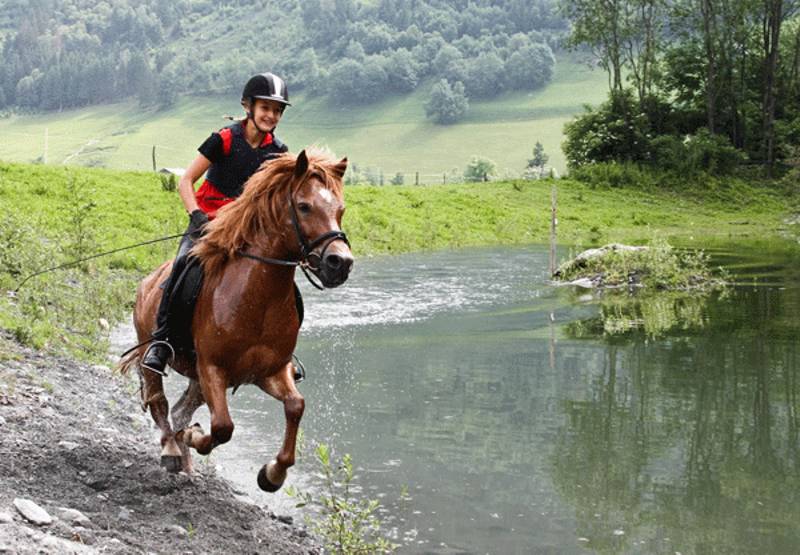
308 259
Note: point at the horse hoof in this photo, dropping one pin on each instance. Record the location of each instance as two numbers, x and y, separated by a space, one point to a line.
190 434
171 463
265 483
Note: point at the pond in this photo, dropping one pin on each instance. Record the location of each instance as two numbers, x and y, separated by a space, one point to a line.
522 418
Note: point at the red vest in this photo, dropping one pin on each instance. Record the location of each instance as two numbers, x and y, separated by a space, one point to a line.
225 178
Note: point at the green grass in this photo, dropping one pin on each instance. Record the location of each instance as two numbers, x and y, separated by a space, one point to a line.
393 134
131 206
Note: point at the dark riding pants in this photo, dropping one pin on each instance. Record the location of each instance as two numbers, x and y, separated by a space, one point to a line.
178 265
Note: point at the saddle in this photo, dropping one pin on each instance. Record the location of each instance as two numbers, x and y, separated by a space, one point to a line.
182 303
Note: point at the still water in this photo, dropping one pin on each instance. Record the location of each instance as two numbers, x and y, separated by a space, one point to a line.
523 418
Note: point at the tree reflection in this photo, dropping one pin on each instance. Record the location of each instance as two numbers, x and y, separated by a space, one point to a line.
652 315
690 443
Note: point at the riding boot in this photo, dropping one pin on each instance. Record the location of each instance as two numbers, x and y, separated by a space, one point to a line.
156 357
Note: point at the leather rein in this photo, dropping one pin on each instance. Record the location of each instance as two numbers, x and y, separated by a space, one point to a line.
307 256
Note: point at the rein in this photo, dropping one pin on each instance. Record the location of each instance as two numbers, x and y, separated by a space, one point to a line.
74 262
306 249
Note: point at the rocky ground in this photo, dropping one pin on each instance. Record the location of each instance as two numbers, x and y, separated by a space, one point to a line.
79 473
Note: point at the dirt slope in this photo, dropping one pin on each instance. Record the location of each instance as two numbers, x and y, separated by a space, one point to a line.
73 437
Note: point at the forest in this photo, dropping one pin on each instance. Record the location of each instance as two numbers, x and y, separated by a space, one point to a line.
693 84
60 54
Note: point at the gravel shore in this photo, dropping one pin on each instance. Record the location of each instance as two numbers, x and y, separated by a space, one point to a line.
79 473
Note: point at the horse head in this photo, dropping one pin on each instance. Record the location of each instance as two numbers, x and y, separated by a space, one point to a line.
290 209
316 206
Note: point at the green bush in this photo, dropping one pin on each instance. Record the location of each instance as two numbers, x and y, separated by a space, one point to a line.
480 169
616 130
345 524
701 152
615 174
63 309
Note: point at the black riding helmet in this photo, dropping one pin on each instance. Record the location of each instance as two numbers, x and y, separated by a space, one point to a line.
267 86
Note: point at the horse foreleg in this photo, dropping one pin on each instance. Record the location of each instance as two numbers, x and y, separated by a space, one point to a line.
281 386
182 413
153 397
213 388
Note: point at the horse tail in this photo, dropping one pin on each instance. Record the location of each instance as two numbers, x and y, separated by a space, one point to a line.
130 360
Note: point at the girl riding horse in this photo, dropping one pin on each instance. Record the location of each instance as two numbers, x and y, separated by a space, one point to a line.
230 157
246 322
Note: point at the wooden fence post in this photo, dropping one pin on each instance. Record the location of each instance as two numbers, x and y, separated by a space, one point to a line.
416 179
553 223
154 157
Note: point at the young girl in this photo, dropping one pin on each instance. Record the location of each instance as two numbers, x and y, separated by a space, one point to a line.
228 158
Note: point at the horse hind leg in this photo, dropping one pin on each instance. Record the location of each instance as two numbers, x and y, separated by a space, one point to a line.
282 386
182 414
153 398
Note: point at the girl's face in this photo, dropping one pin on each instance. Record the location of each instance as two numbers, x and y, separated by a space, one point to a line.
267 113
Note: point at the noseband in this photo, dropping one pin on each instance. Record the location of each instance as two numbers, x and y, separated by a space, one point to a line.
306 248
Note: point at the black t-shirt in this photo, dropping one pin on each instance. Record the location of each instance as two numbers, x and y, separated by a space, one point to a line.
233 160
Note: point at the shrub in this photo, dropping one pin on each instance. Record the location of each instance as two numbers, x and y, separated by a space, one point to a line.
616 130
346 524
658 266
59 309
480 169
614 174
701 152
169 182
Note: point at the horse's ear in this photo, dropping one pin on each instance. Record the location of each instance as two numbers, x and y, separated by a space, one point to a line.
302 164
340 168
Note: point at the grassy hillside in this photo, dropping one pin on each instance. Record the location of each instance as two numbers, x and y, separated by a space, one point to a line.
392 134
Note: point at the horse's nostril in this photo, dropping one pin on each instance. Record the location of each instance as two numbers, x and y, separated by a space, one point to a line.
333 261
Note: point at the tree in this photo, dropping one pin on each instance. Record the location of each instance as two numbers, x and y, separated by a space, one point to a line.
447 104
598 25
530 67
447 55
480 169
401 71
539 157
485 76
351 82
167 90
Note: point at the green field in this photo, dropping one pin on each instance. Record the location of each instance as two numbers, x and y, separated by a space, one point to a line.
392 135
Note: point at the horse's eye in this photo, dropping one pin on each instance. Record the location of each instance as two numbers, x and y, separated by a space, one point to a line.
304 207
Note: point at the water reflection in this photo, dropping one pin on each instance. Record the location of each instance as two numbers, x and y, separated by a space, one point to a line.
690 443
651 315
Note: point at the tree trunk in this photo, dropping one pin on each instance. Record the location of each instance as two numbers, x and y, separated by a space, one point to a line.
707 11
773 18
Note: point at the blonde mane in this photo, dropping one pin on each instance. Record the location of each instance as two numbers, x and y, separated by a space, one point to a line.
256 217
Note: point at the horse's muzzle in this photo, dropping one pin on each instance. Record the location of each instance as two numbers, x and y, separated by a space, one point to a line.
335 268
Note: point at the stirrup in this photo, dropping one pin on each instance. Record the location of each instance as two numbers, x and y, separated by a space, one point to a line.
299 369
170 358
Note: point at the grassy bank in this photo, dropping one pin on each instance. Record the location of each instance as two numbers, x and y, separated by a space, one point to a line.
112 208
54 214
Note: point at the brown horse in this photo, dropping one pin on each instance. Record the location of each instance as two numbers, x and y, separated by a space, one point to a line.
245 322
